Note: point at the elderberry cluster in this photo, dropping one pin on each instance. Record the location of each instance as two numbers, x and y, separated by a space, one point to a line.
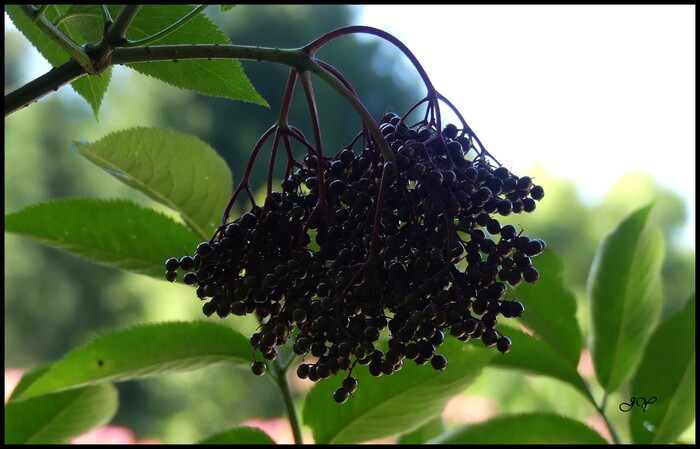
355 244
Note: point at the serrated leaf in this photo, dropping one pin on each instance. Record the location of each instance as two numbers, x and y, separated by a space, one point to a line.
527 428
550 308
426 432
116 233
27 379
667 373
625 297
91 88
239 435
144 351
220 78
176 169
87 20
53 53
59 417
534 356
225 8
394 404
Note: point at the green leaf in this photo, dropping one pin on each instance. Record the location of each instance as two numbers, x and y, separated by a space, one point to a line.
667 372
27 379
550 308
625 296
225 8
87 20
144 351
115 233
176 169
219 78
426 432
59 417
528 428
535 356
239 435
394 404
91 88
53 53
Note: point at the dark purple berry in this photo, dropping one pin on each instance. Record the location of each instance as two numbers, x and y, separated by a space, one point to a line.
172 264
450 131
489 337
350 384
503 344
303 371
258 368
340 396
190 278
439 362
537 192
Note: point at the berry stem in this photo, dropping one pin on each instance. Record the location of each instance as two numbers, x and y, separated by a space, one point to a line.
467 128
282 125
316 126
314 46
359 108
244 184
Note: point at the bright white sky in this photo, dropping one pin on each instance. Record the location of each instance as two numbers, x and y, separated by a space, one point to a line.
589 91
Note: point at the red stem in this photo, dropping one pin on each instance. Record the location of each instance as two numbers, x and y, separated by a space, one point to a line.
246 176
314 46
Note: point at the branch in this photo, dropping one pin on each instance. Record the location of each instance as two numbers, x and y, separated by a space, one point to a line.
116 33
45 84
66 43
296 58
59 76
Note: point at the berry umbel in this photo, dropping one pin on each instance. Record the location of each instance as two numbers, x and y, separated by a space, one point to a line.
398 233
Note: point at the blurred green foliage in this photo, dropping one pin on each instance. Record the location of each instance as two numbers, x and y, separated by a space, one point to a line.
55 302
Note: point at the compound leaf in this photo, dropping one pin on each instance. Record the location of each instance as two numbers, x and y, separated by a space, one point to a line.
220 78
143 351
176 169
535 356
394 404
91 88
666 373
426 432
550 308
116 233
527 428
625 296
57 418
